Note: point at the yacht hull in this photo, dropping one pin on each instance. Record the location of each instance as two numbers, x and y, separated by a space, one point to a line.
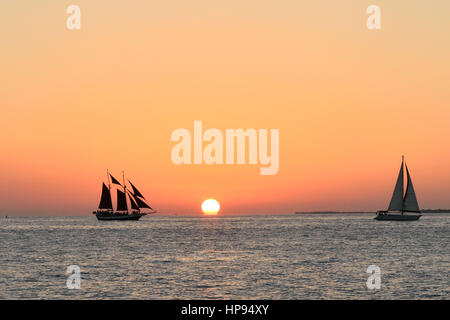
397 217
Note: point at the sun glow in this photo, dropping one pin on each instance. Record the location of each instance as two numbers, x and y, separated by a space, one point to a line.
210 207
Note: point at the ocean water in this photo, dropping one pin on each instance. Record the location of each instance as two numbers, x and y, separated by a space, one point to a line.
248 257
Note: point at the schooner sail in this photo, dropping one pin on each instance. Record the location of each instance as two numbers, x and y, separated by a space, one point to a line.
121 201
402 203
105 200
105 209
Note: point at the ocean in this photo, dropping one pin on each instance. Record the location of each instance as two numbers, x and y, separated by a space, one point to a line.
225 257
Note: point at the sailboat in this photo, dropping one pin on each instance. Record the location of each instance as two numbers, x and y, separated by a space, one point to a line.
138 205
402 207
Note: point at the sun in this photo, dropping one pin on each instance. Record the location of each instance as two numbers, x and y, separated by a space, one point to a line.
210 207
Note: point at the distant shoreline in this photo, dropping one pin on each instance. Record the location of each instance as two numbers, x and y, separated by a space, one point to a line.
367 212
335 212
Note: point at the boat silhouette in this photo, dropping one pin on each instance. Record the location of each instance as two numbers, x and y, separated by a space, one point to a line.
139 207
402 207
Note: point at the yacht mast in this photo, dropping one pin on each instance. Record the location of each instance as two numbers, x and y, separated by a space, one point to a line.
403 202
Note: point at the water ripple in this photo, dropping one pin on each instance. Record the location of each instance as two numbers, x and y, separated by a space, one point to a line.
264 257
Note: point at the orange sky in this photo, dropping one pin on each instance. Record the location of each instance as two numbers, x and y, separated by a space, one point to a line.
348 102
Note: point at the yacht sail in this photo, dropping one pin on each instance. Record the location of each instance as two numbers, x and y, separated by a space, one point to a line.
401 203
397 197
410 200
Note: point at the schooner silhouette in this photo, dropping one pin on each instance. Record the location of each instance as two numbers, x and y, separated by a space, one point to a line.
105 209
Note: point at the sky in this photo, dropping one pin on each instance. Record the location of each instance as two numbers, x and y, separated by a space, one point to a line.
348 102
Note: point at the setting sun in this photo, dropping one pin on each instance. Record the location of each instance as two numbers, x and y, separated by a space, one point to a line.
210 207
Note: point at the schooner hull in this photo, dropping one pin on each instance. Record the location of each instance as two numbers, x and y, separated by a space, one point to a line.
397 217
134 216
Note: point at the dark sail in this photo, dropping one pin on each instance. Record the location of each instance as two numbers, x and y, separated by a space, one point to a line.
114 180
134 206
141 204
121 201
136 191
105 201
410 200
396 203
